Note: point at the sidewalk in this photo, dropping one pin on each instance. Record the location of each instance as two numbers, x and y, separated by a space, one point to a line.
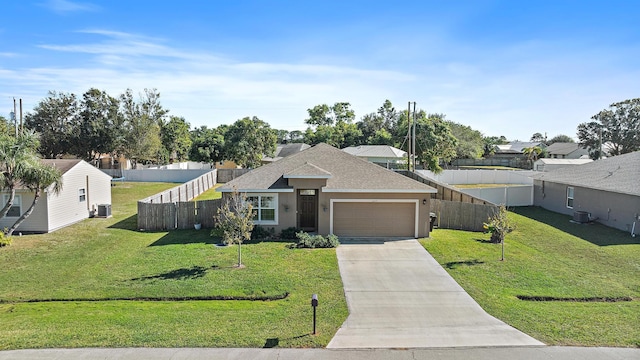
493 353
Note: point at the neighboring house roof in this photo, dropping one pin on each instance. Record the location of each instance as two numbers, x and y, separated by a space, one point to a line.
561 148
381 151
63 165
284 150
343 173
620 174
517 147
547 161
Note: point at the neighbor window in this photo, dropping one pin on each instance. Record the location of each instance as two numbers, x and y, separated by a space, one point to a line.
16 208
570 197
265 208
82 195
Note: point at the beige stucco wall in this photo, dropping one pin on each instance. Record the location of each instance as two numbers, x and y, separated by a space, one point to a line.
287 205
612 209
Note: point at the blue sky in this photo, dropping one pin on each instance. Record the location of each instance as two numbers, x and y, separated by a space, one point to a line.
508 68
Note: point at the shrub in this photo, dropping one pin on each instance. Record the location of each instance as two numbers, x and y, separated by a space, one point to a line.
4 239
499 225
260 233
306 240
290 233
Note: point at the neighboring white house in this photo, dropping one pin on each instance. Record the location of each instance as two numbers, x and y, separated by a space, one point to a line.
552 164
567 151
384 155
84 189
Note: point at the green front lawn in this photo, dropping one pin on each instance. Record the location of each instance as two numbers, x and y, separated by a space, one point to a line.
210 194
547 257
100 283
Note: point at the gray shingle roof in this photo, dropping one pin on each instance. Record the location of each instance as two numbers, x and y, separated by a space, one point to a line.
563 148
348 173
284 150
63 165
619 174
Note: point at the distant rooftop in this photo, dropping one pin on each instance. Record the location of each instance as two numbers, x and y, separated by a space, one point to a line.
380 151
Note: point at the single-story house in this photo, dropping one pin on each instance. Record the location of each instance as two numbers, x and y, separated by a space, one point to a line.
328 191
607 190
85 191
561 150
284 150
384 155
552 164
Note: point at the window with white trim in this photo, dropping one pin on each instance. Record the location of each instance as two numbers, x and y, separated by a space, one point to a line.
16 208
265 208
570 197
82 195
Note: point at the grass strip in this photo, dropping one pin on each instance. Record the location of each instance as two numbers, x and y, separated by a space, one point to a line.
169 298
574 299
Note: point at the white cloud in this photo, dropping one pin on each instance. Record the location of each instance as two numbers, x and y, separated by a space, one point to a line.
66 6
512 91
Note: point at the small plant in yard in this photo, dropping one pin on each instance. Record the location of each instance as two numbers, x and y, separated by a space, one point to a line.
4 239
235 221
499 225
306 240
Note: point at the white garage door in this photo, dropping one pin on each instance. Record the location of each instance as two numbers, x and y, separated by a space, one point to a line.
374 219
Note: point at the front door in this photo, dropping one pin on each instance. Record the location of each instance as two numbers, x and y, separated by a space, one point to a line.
307 210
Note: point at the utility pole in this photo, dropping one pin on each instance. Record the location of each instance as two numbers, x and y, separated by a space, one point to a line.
21 128
414 136
15 116
409 161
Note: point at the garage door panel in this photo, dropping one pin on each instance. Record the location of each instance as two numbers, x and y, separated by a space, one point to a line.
371 219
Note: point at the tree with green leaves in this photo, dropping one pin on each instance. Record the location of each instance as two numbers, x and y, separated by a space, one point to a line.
37 177
325 115
616 129
235 221
533 153
6 126
16 153
176 137
207 145
98 128
538 137
142 121
560 139
53 118
470 142
434 141
247 140
375 126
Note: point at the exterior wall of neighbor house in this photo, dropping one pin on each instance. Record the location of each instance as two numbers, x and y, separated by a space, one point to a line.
37 221
66 208
611 209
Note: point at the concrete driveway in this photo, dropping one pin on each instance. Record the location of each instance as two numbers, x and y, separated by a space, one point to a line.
400 297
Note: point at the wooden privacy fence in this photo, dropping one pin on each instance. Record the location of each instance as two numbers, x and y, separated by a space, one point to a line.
461 215
178 215
455 209
172 209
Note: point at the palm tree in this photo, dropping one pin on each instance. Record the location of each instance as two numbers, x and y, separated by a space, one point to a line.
532 153
37 177
15 153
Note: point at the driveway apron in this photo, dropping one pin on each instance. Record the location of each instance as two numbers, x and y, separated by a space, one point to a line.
400 297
